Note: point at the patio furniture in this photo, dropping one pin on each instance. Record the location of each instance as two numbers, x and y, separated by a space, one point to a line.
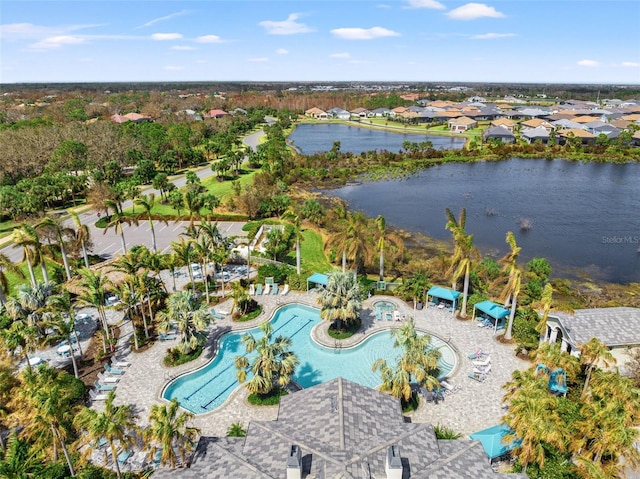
113 371
252 290
480 370
274 289
216 314
482 362
104 387
285 290
124 456
450 388
119 363
477 377
267 289
108 379
35 360
479 354
96 395
167 336
259 290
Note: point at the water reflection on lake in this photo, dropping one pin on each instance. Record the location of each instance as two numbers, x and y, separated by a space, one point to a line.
585 217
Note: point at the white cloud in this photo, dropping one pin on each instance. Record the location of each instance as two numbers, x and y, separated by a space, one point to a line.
282 51
52 43
630 64
209 39
258 59
471 11
161 37
173 67
433 4
492 36
285 27
29 30
183 48
162 19
343 55
363 33
588 63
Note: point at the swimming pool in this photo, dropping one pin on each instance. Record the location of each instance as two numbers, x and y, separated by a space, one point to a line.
384 309
207 388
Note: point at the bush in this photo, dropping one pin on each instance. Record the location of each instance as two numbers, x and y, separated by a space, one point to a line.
272 398
524 329
443 432
345 332
411 405
279 273
176 358
252 314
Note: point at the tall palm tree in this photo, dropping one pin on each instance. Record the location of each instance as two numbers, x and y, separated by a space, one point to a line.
116 424
546 300
293 217
147 203
22 337
82 236
512 288
26 237
116 221
274 363
190 316
60 232
93 293
382 227
129 302
184 255
240 296
353 239
63 329
341 301
463 253
45 407
592 354
168 431
7 266
33 301
415 287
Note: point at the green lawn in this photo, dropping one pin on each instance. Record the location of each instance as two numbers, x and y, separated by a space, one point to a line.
14 280
312 253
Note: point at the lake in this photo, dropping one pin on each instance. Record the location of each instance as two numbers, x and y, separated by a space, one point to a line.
584 216
310 139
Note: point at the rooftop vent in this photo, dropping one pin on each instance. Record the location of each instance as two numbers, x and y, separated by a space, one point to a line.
294 463
393 464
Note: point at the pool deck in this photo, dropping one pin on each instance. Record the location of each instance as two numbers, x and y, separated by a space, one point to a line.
476 406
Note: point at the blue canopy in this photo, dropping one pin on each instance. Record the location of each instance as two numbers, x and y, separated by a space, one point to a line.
491 439
443 293
318 278
492 309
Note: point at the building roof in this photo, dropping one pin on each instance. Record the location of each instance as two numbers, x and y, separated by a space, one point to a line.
498 132
343 430
443 293
463 120
492 309
612 326
534 133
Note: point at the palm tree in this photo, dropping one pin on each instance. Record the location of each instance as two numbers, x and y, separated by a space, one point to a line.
191 317
60 232
20 460
93 293
6 265
382 225
240 297
117 220
129 302
63 329
184 254
115 424
294 218
462 253
45 408
546 300
415 287
593 353
274 363
353 239
147 203
341 301
82 236
26 237
168 430
22 337
236 430
512 288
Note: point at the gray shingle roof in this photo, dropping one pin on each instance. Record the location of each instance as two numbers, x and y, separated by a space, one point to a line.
612 326
343 430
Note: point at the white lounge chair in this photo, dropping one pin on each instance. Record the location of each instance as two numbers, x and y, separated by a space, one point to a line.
285 290
97 395
267 290
120 363
482 362
449 388
104 379
480 370
252 290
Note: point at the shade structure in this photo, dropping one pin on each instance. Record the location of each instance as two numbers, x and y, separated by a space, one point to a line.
444 293
491 309
491 439
317 278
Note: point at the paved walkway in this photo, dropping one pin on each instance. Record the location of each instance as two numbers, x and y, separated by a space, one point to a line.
475 406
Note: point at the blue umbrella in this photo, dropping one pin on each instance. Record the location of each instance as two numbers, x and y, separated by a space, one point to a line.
491 439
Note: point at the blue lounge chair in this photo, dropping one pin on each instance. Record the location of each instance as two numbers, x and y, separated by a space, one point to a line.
259 289
478 377
124 456
216 314
114 371
104 387
274 288
167 336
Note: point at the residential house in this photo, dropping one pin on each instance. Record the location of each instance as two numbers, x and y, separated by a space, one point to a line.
134 117
567 124
586 119
600 127
534 112
190 114
338 113
618 328
338 429
399 110
505 123
499 133
536 134
585 137
536 123
216 114
239 111
462 124
316 113
360 112
382 113
476 99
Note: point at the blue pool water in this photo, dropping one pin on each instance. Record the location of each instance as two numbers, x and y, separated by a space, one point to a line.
384 308
207 388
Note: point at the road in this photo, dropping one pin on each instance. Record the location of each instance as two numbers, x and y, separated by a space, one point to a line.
108 243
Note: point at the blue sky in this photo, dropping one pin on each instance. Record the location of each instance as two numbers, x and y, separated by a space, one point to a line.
572 41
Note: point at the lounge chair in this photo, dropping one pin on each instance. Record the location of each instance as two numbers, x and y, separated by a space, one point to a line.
104 387
124 456
259 290
96 395
167 336
480 370
267 289
431 396
274 289
120 363
450 388
285 290
477 377
397 316
216 314
252 290
104 379
481 363
113 371
479 354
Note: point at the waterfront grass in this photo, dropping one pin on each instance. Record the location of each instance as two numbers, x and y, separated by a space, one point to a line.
312 252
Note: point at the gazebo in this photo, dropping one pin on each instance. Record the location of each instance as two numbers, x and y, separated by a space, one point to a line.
445 294
492 310
317 278
492 440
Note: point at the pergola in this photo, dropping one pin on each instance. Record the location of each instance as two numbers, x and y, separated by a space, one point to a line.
317 278
443 293
492 310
